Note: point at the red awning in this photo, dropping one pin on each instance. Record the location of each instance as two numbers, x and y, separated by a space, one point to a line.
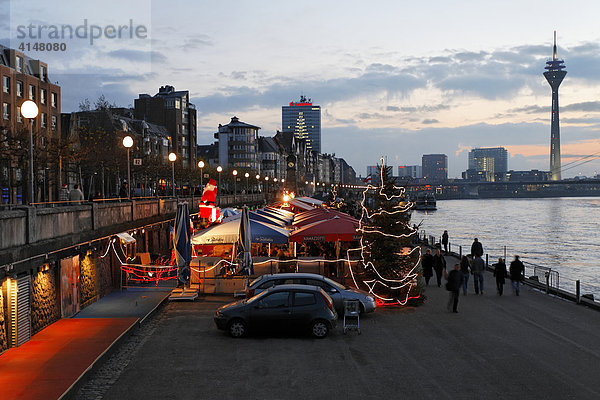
300 205
330 230
326 213
322 217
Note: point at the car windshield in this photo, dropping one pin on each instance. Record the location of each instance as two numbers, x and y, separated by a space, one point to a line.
256 297
334 284
256 281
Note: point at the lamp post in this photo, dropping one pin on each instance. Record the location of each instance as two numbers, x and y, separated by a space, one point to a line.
30 110
201 166
173 158
266 185
127 143
219 170
247 175
234 184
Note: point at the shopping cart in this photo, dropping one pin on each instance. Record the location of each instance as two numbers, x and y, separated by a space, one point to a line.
351 316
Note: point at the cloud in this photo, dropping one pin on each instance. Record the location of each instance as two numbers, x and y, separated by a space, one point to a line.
430 121
137 55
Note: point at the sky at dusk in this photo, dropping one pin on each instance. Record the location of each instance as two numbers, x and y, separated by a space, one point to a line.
393 78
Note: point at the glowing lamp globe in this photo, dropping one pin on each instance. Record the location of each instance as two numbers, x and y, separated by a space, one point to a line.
235 172
266 178
127 141
200 164
172 157
246 175
274 179
257 176
286 198
29 109
219 169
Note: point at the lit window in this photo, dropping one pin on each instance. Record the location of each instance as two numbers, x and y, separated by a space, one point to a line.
19 64
6 110
31 92
44 73
43 96
19 88
19 116
54 122
43 120
54 100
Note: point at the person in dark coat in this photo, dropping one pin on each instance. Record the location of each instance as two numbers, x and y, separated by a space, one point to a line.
453 286
445 242
477 269
427 264
476 248
439 265
465 266
500 273
517 274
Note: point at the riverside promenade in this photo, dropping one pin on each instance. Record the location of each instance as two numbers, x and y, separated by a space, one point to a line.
533 346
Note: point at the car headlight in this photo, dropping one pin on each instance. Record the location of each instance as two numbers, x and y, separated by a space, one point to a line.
371 299
219 314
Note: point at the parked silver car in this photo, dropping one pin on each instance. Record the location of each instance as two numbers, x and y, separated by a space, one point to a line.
336 291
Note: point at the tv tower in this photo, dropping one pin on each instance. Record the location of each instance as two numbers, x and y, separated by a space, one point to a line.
555 75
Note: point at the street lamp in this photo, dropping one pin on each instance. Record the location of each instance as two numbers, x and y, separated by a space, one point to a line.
219 170
246 175
266 184
234 183
201 166
30 110
173 158
127 143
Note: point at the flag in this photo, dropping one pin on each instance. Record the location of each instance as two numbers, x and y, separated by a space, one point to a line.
367 179
209 195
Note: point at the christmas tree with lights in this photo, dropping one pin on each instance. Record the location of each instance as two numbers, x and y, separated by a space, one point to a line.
389 267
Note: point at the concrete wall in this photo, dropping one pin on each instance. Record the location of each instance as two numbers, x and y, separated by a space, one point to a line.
13 228
45 306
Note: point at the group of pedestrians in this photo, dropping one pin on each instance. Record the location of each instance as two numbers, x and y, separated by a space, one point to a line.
459 276
74 194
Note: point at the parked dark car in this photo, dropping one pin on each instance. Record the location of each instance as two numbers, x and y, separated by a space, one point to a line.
285 307
336 291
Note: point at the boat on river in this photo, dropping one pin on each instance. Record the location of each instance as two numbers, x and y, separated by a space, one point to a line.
425 201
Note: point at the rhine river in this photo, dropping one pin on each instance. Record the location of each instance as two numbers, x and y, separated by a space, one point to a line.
559 233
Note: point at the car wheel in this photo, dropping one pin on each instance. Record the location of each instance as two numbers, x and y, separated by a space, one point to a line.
237 328
319 329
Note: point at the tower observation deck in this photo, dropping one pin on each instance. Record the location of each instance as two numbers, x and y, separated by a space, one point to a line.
554 75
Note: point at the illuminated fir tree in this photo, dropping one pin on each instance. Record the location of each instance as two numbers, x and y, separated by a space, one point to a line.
389 268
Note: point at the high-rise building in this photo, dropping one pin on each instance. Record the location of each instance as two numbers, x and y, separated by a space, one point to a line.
410 171
173 110
304 119
488 159
24 78
435 167
554 75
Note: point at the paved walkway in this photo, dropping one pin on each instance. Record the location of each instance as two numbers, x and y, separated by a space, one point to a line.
527 347
54 359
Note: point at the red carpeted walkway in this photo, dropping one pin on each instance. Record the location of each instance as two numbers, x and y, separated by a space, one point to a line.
47 365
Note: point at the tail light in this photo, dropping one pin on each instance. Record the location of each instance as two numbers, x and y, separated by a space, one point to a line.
328 300
250 292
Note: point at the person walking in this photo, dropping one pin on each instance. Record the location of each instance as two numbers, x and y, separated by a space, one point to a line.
464 269
439 265
445 242
63 194
517 274
477 269
75 194
476 248
454 279
427 264
500 273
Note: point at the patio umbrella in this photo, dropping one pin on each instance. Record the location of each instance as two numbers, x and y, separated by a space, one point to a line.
229 212
285 213
310 200
182 243
300 205
278 217
260 217
329 230
245 242
322 217
325 213
227 232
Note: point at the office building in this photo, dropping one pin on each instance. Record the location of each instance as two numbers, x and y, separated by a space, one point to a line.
490 159
410 171
435 167
304 119
238 145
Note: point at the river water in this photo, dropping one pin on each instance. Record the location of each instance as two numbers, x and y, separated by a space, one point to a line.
559 233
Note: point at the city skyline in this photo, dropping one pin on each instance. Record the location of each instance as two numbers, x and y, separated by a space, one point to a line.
407 83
